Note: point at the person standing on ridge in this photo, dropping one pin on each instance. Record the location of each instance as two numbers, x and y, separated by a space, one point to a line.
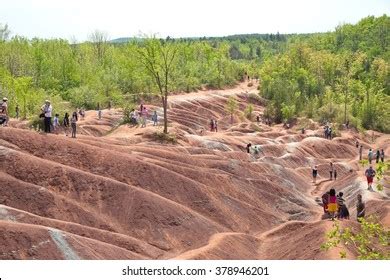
248 148
73 122
47 110
370 174
343 210
370 155
331 169
332 204
314 174
56 123
211 125
325 201
65 122
154 118
360 208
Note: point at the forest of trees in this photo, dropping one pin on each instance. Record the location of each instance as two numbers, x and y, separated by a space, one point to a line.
335 76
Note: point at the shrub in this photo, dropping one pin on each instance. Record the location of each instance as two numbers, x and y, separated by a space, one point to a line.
370 241
164 137
248 111
126 113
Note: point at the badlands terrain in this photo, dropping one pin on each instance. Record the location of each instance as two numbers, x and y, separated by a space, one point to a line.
117 192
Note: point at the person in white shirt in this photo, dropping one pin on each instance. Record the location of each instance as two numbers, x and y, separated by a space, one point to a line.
56 123
46 110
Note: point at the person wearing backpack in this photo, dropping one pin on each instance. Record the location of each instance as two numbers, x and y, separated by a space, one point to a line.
378 155
325 201
343 210
382 155
4 112
370 174
73 122
370 155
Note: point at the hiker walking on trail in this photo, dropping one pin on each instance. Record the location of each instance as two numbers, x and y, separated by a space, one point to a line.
4 112
65 122
332 204
370 155
360 208
73 122
215 125
382 155
46 110
343 210
335 174
314 174
325 201
361 152
99 111
154 118
56 123
378 155
331 169
211 125
144 114
370 174
248 148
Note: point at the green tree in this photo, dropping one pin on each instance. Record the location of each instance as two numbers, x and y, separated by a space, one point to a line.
370 241
159 60
231 107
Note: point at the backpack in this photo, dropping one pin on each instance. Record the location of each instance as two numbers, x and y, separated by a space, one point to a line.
370 172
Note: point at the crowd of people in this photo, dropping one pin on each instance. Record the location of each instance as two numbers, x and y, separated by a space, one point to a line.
334 206
139 117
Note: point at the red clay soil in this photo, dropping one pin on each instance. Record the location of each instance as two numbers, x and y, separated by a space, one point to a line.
117 192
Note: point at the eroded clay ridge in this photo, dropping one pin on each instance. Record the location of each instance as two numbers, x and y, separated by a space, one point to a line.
115 192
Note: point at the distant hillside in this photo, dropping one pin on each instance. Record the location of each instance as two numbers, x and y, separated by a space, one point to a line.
266 37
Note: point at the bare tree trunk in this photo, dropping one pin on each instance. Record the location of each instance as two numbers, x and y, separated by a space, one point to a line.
165 105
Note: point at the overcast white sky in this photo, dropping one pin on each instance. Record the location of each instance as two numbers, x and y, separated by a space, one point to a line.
181 18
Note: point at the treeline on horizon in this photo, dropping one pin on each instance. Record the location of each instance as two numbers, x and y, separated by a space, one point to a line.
336 76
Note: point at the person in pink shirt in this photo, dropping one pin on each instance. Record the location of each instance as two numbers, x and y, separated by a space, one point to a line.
332 204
